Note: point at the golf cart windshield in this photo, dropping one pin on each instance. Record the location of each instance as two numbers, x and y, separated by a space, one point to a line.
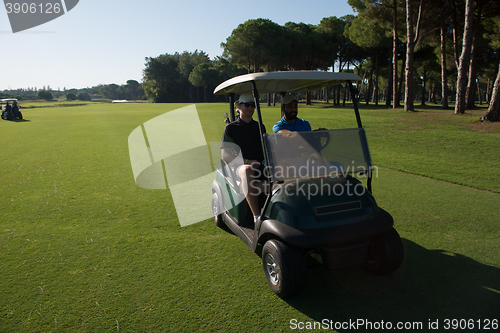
315 154
304 154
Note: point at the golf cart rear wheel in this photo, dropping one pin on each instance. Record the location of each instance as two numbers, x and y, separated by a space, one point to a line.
284 268
385 253
216 211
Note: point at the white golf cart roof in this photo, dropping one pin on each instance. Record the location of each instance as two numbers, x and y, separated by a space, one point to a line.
9 100
280 82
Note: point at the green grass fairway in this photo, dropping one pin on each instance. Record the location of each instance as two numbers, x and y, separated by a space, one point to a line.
84 249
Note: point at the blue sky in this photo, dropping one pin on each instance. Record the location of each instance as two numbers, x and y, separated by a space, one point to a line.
106 41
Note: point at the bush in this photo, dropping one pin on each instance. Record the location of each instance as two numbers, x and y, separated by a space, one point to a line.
46 95
71 97
83 96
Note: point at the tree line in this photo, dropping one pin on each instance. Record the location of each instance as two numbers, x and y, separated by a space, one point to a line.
445 49
405 50
186 77
132 90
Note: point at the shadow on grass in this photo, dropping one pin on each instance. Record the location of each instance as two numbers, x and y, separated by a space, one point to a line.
19 120
430 285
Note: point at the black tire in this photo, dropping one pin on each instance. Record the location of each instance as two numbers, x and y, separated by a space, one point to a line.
385 253
217 211
284 267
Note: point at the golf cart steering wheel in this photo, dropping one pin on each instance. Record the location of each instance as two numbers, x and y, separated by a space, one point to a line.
319 135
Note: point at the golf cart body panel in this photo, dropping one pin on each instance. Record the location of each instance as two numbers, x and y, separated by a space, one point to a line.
314 203
303 204
338 235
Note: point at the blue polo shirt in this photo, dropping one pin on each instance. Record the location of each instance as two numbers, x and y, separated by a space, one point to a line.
300 125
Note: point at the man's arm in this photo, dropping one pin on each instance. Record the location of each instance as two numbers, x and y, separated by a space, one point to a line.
278 127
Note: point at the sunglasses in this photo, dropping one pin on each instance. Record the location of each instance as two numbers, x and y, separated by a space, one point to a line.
252 104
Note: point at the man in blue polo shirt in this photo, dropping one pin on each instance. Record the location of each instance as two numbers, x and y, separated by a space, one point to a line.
290 122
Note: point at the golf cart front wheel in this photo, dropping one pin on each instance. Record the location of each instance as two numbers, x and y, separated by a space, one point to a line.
385 253
284 268
217 212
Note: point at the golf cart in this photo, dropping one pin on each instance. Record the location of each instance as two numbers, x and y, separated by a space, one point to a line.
315 205
12 111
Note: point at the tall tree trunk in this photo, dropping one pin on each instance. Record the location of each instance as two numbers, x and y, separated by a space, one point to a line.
493 113
376 93
339 87
409 93
464 59
368 91
422 102
410 45
395 40
344 98
455 35
471 87
479 93
389 94
345 88
444 77
471 84
363 86
487 100
401 77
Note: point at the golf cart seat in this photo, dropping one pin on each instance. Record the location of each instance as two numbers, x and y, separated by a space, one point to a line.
232 178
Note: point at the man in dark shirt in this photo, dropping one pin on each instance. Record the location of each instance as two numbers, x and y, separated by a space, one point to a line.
244 132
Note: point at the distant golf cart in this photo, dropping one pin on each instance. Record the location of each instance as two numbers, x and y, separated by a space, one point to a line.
10 109
315 205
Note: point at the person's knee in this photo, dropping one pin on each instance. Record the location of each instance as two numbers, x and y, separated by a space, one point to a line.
246 171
